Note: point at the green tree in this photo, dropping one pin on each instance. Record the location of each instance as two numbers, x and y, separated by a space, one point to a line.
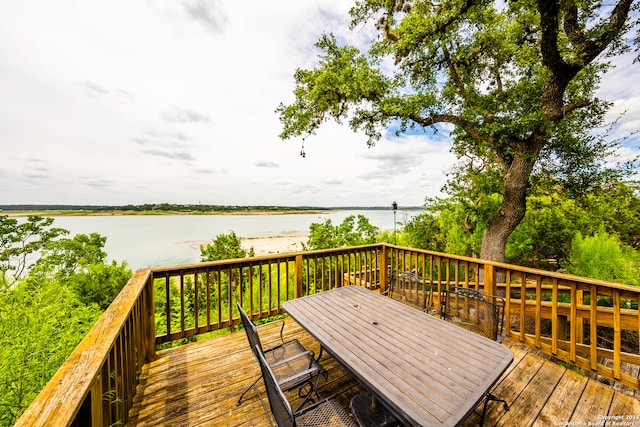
41 322
100 283
351 232
422 231
66 256
20 243
55 292
601 256
543 238
617 208
224 246
515 80
80 263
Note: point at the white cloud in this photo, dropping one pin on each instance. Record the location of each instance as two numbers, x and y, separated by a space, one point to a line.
124 102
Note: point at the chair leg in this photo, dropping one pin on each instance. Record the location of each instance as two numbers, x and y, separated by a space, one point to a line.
314 388
308 398
489 397
239 402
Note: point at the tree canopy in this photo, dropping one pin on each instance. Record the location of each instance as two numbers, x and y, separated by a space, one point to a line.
52 290
515 81
353 231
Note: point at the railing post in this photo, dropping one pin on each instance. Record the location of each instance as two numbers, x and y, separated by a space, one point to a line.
149 321
579 320
489 280
97 415
383 268
298 277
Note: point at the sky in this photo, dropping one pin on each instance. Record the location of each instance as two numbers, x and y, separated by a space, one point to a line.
173 101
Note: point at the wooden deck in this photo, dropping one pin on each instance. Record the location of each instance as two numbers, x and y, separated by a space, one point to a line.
198 384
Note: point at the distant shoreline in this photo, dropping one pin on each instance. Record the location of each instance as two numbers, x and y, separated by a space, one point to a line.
171 209
53 213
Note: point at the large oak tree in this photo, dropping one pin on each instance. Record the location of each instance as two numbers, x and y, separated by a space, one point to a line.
515 80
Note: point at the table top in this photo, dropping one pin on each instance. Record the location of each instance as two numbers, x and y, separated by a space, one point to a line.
425 370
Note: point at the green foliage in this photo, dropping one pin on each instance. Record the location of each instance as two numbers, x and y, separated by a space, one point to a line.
65 256
351 232
41 322
543 238
616 207
45 314
224 246
100 283
454 225
553 219
80 264
516 81
344 77
20 241
423 231
601 256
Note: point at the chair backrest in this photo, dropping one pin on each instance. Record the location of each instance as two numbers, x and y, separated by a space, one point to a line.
250 329
278 403
476 311
409 288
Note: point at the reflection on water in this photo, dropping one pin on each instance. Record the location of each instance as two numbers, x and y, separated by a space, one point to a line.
152 240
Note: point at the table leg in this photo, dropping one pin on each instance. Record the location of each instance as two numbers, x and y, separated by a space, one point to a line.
369 412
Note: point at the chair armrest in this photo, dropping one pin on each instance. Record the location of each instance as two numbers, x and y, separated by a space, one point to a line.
273 322
302 374
296 356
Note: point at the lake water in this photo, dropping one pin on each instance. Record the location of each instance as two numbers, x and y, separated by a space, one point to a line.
152 240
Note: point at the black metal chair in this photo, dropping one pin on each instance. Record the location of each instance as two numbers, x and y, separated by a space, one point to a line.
480 313
409 288
476 311
293 365
327 412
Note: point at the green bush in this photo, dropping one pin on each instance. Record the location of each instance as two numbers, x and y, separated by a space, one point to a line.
602 256
41 322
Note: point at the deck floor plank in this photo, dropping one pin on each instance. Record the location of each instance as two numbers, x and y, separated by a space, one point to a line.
594 402
198 384
533 398
560 405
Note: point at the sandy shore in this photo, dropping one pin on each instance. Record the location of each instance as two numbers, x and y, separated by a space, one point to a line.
275 244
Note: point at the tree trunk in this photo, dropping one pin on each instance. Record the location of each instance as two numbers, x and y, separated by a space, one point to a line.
512 209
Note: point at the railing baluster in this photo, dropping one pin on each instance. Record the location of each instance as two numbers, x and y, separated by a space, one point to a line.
572 325
555 327
616 334
538 316
207 276
593 328
167 287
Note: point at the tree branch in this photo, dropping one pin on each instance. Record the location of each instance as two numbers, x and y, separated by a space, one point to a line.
468 127
574 106
575 33
551 58
612 29
462 90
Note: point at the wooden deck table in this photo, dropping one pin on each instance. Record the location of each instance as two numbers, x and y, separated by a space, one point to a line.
424 370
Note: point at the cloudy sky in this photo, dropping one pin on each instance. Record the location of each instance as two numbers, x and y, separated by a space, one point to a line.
149 101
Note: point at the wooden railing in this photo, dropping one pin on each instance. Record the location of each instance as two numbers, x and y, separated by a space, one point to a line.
95 386
591 324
